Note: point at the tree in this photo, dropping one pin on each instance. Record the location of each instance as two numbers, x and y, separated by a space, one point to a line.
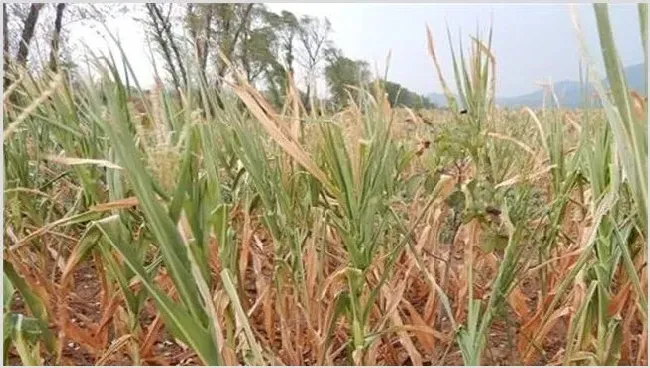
313 35
273 46
159 25
27 30
400 96
5 46
27 34
36 37
232 18
262 44
258 48
198 19
342 72
214 29
56 37
286 26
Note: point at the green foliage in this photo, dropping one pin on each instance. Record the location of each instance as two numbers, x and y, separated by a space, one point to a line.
287 27
341 73
400 96
257 52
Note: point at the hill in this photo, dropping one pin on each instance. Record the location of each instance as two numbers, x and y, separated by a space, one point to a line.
569 93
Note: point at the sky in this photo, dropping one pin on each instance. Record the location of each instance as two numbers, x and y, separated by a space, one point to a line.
532 43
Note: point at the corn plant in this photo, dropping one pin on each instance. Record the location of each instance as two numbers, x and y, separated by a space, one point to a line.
617 167
251 228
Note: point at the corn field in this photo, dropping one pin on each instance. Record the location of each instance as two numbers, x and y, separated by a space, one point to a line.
162 229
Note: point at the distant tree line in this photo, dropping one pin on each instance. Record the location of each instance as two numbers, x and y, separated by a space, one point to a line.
265 46
401 96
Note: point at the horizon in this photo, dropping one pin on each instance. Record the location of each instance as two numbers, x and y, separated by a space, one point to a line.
548 25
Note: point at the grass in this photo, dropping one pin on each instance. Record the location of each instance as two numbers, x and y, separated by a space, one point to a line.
253 237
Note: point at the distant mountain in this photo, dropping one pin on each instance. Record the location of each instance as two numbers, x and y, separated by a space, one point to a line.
437 99
569 93
635 75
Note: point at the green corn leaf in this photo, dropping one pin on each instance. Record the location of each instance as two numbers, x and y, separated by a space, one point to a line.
33 302
183 324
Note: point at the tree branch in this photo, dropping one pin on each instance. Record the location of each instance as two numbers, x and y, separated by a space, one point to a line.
166 24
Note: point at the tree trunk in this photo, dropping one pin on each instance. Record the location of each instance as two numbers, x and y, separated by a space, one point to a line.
200 43
5 30
56 37
206 43
309 105
28 33
158 25
167 28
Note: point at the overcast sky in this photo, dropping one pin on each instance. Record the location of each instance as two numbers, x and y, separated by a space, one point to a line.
532 42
